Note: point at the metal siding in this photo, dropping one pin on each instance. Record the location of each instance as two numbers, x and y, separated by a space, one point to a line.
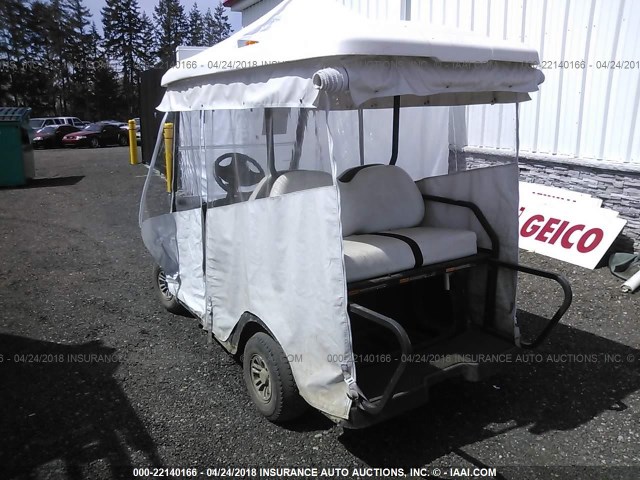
588 113
376 9
569 101
623 85
596 86
257 10
551 35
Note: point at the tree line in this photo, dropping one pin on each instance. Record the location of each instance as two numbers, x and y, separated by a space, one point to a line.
54 60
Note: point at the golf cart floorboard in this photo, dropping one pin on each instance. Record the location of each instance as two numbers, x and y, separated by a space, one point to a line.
471 354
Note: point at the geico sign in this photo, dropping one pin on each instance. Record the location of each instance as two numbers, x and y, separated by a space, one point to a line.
555 230
573 233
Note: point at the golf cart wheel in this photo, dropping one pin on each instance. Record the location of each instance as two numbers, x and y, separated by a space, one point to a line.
123 141
269 380
95 143
167 299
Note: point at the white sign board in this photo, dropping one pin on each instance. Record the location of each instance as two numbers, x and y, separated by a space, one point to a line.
545 194
577 231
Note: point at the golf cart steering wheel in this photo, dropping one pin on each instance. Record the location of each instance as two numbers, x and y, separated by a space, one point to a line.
237 173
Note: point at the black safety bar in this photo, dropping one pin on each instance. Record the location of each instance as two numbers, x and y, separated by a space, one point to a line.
566 302
493 237
405 346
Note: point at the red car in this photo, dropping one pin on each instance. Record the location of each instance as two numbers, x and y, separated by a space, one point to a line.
51 136
96 135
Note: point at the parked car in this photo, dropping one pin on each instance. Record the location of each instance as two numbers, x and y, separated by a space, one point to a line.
96 135
51 136
38 123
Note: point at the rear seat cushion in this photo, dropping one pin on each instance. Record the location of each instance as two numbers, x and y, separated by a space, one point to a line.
381 200
377 198
369 256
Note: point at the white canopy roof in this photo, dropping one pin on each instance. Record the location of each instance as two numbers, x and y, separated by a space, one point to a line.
378 59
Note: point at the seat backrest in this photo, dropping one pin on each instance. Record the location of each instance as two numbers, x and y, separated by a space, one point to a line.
378 198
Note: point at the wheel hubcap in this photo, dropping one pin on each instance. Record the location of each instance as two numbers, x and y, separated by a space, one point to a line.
261 378
164 286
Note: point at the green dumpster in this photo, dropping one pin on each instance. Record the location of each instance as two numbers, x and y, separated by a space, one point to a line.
16 151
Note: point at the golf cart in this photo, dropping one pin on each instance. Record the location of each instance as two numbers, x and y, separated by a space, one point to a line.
315 216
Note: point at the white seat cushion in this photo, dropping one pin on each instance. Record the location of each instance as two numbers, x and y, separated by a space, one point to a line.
370 256
441 244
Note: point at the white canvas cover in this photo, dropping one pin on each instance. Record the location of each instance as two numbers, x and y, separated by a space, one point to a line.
494 190
280 258
378 59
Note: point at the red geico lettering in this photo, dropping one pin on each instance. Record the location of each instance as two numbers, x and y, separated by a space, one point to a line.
554 229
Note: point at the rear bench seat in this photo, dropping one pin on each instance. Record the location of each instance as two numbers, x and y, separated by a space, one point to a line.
381 212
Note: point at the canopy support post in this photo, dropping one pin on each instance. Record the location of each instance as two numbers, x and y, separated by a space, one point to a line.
396 130
271 162
297 148
361 135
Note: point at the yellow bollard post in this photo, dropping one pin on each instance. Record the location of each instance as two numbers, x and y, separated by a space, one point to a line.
168 154
133 143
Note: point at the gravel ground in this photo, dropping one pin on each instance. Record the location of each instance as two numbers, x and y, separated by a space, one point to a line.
97 379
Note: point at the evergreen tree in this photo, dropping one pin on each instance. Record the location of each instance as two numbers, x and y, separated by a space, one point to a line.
171 24
41 80
216 26
59 31
148 33
209 36
103 86
124 42
80 56
195 35
222 25
13 48
107 96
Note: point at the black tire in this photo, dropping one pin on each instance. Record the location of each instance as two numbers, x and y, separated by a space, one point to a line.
94 142
269 380
123 141
167 300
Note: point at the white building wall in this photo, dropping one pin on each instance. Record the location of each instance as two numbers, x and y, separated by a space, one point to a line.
254 12
583 111
380 9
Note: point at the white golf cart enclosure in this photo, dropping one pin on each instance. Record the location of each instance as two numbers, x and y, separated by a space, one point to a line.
316 220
